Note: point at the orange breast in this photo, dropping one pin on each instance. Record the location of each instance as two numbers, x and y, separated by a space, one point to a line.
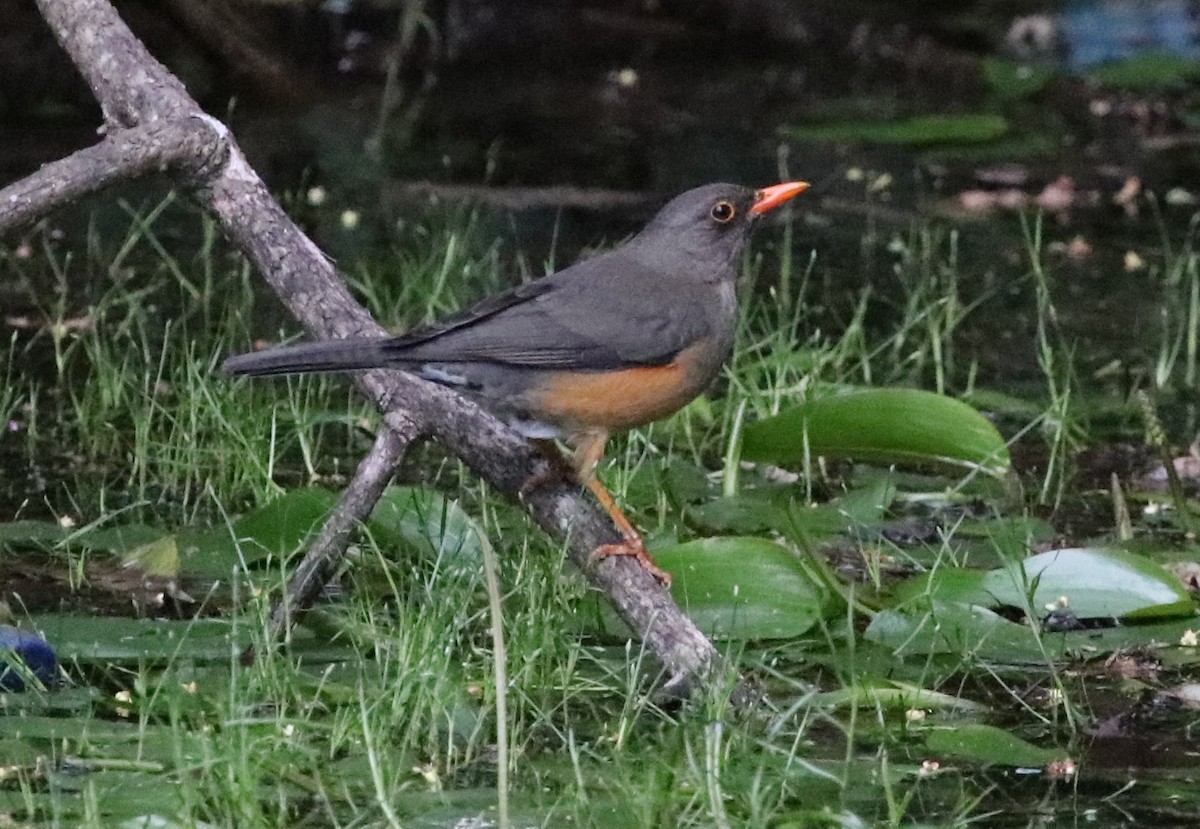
617 400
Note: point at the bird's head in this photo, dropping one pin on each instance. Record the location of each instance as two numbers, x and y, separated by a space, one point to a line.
710 224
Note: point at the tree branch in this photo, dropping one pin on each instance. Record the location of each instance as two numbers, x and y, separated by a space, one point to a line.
135 90
187 144
325 554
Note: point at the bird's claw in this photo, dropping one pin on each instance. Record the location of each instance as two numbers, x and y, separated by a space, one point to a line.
636 549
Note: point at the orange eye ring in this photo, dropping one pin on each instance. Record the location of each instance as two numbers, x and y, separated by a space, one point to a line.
723 212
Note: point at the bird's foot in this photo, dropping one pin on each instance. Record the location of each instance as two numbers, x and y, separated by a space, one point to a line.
558 469
633 546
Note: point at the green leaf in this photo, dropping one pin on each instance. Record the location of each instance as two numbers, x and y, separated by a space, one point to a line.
975 632
423 518
1096 583
743 588
1148 72
278 529
989 745
894 695
158 558
85 639
903 426
971 631
750 511
1013 80
917 131
32 533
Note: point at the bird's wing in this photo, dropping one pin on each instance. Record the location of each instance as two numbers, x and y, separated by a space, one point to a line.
605 313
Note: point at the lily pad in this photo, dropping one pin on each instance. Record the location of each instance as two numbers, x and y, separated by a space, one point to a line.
1012 80
425 519
743 588
894 695
989 745
1095 582
278 529
972 631
902 426
81 639
921 130
1148 72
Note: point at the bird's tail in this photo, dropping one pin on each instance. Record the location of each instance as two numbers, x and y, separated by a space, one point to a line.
324 355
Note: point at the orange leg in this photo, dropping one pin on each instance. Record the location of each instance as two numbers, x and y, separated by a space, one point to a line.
589 448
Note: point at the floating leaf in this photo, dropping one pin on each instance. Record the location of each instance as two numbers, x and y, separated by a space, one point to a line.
906 426
1148 72
750 511
158 558
1013 80
1096 583
896 695
116 538
918 131
744 588
83 639
989 745
278 529
978 633
31 533
423 518
972 631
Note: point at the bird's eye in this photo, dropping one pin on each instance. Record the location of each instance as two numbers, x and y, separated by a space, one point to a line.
723 212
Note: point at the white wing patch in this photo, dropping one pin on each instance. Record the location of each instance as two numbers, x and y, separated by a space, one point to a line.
535 429
437 374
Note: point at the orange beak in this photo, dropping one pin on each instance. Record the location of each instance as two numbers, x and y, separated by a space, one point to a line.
771 197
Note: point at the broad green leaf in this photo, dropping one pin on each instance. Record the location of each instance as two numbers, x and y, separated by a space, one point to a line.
979 633
781 508
903 426
1096 583
101 538
41 533
158 558
962 585
86 639
743 588
989 745
1013 80
115 538
1010 534
972 631
893 694
867 504
423 518
278 529
920 130
1148 72
750 511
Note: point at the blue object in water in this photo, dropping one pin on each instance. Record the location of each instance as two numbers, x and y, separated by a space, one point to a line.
1099 31
34 651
